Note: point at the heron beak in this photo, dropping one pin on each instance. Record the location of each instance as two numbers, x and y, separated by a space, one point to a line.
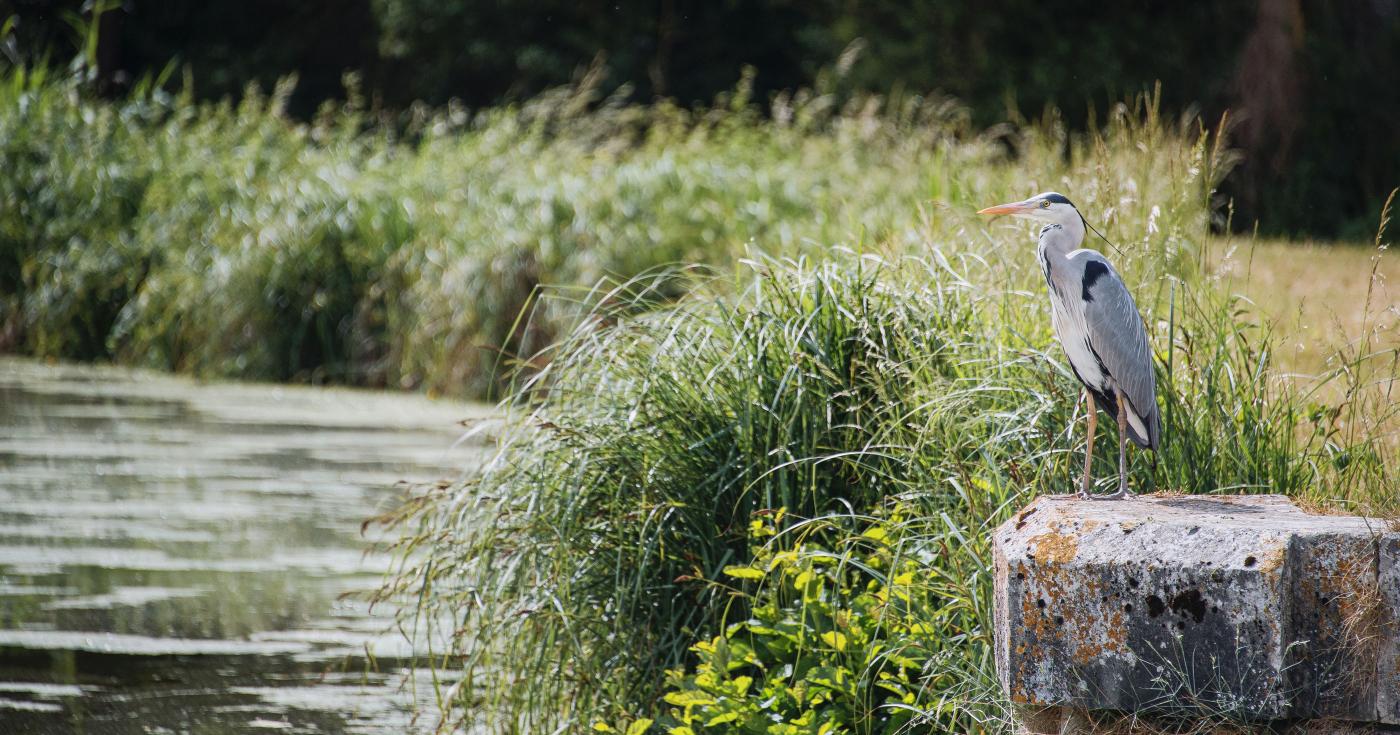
1012 208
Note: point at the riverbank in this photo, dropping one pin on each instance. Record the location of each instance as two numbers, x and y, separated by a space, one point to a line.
771 362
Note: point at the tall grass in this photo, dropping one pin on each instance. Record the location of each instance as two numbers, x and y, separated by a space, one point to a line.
583 561
915 367
228 240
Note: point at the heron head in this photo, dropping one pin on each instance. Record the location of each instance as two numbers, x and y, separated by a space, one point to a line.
1048 207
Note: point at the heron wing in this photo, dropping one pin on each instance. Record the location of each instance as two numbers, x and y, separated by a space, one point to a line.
1117 336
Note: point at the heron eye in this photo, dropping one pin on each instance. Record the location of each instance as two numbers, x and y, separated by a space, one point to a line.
1044 203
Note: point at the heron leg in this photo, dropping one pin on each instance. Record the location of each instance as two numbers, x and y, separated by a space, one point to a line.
1122 449
1093 418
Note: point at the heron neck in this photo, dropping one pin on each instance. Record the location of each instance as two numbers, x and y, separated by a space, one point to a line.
1060 240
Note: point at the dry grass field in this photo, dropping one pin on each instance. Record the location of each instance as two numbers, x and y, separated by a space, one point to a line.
1335 312
1326 299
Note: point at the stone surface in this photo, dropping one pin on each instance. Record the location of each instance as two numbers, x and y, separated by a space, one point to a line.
1238 605
1388 666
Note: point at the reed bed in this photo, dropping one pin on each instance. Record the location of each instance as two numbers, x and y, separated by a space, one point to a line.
229 240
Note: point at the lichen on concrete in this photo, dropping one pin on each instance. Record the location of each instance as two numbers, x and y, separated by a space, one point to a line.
1243 606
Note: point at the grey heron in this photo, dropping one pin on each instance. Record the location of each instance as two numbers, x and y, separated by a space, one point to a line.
1098 326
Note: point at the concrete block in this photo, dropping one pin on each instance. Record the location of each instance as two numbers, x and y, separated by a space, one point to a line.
1238 605
1388 648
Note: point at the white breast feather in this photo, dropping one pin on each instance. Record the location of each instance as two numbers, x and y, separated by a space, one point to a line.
1069 329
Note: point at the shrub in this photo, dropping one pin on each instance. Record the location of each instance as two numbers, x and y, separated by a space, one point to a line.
68 263
836 639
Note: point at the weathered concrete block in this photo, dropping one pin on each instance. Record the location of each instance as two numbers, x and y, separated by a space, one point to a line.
1240 605
1388 648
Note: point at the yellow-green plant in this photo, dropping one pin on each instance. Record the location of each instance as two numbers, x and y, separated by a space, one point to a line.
828 640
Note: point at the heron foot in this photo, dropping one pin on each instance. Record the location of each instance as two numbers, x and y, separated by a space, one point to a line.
1123 492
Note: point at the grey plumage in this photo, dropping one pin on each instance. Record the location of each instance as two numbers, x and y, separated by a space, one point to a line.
1117 336
1097 323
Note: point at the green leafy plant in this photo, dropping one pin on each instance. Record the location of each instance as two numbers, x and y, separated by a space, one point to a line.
836 640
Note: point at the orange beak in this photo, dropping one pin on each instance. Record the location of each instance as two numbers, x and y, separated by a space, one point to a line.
1012 208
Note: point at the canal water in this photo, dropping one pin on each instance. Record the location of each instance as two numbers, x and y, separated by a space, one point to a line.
178 557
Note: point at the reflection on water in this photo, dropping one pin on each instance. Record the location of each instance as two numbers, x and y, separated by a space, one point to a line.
173 556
